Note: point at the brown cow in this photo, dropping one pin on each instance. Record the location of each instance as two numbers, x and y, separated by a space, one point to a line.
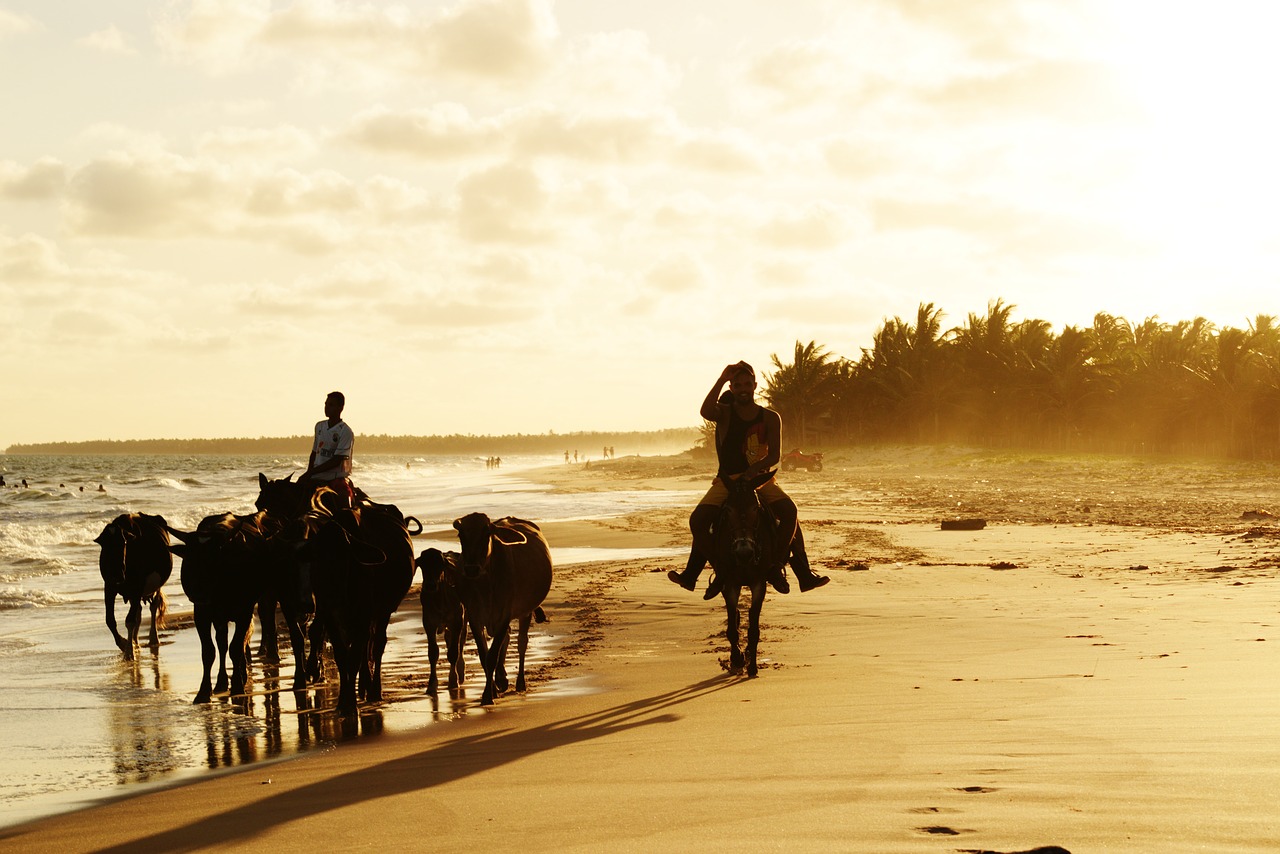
506 573
135 563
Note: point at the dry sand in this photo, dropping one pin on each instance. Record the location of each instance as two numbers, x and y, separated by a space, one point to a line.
1096 670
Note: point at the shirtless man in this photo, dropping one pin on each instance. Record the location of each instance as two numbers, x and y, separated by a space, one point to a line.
748 444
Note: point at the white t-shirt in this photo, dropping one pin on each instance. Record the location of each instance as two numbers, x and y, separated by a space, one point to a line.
336 440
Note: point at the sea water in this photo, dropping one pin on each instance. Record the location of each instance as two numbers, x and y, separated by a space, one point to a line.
82 722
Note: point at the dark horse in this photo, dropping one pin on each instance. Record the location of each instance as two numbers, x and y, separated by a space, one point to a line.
744 539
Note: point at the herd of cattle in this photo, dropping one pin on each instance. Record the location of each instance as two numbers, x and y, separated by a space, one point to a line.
336 574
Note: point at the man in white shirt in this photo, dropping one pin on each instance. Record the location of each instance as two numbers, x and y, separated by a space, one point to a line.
330 461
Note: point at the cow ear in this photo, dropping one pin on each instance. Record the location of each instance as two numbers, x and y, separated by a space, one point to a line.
457 524
262 481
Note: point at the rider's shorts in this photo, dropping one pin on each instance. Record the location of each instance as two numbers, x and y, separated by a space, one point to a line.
770 493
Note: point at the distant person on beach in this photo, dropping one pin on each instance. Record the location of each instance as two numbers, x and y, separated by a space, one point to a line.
330 461
2 483
748 444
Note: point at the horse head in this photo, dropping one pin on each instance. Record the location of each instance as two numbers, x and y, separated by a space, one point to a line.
742 517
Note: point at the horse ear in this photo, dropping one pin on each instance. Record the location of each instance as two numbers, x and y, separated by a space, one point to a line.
289 479
262 481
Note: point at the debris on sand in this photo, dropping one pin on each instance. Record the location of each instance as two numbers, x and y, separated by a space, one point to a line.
963 524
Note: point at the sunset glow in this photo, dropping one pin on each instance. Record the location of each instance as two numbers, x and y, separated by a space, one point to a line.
502 216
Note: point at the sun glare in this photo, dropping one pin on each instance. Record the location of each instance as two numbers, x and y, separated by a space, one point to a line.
1204 134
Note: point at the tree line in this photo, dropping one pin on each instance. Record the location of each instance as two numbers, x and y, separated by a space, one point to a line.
1113 387
588 443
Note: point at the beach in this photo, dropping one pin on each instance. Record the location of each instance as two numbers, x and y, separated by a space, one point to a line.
1095 669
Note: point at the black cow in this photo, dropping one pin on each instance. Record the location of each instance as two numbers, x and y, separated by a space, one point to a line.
506 573
361 567
135 563
226 564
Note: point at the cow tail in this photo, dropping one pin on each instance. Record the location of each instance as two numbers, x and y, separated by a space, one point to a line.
163 610
539 615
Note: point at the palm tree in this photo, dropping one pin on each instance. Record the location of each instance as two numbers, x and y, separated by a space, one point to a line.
802 392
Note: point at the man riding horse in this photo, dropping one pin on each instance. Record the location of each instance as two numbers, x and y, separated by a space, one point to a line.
748 445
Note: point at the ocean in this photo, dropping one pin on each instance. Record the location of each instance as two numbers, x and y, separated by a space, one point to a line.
81 723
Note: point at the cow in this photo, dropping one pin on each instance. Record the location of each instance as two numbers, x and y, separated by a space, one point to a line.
361 567
135 563
506 574
443 613
226 563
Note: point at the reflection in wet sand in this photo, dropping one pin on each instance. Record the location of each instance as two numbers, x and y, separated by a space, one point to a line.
144 741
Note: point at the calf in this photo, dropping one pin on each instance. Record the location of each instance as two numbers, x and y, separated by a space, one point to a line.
442 612
506 573
135 563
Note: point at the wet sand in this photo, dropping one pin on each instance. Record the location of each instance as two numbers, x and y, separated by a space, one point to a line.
1095 670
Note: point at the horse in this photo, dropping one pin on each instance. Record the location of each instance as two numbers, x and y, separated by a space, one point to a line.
135 563
744 547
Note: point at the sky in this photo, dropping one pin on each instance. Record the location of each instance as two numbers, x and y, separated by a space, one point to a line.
523 216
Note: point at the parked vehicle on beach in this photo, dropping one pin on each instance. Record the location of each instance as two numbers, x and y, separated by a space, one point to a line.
797 459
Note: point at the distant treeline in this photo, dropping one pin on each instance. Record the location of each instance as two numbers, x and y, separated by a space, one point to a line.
587 444
1188 387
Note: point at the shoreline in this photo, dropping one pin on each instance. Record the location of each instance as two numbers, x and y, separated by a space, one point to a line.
1094 686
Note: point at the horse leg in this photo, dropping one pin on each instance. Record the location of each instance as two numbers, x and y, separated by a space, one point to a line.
204 629
523 644
731 592
753 626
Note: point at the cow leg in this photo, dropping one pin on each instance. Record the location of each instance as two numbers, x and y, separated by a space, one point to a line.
298 641
315 637
204 628
492 662
133 622
379 647
159 606
269 644
433 651
753 626
220 635
455 639
347 657
522 645
500 667
109 595
240 640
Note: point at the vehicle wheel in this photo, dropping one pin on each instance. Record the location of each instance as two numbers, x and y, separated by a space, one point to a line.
817 466
788 465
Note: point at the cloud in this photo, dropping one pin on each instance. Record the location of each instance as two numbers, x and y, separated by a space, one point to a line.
31 259
677 274
503 204
813 227
43 179
506 41
444 131
12 24
110 41
281 143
